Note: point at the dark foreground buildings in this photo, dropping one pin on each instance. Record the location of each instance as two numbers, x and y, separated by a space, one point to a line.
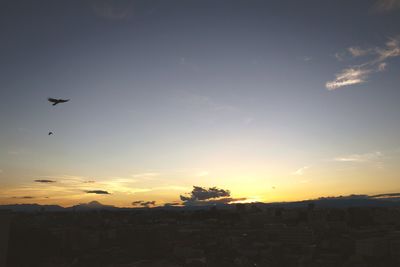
238 236
5 219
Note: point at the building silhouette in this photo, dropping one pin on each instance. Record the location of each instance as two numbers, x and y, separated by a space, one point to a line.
5 219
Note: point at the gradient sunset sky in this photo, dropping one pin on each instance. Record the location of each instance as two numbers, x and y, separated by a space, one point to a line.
272 100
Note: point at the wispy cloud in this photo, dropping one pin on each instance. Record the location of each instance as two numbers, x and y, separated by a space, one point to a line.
202 174
359 73
17 152
24 197
113 9
358 52
386 5
367 157
340 56
388 195
301 171
211 106
348 77
169 188
145 175
67 187
204 102
122 185
392 49
382 66
188 64
98 192
169 204
44 181
249 120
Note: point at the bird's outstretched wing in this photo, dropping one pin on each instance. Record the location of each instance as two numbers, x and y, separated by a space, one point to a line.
57 101
52 100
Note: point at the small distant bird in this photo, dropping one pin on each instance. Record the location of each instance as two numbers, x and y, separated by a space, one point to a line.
50 133
57 101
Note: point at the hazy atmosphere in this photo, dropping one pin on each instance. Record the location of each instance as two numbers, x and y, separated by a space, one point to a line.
249 101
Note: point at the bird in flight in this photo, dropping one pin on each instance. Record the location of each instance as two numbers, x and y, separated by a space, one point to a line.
50 133
57 101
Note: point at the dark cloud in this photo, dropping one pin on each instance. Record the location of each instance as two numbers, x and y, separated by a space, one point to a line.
142 203
44 181
137 203
148 203
172 204
24 197
210 196
201 193
89 182
98 192
386 195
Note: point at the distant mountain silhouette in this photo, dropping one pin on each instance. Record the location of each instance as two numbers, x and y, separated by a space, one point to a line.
390 200
93 205
31 208
345 201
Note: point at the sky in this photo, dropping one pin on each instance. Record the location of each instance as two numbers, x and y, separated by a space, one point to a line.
271 100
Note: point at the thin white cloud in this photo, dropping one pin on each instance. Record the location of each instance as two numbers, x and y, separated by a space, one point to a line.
74 187
386 5
248 120
358 52
146 175
382 66
112 9
171 187
367 157
213 107
392 49
202 174
301 171
182 61
348 77
340 56
204 102
359 73
17 152
121 185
